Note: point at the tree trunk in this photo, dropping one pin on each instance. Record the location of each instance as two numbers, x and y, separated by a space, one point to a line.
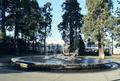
16 36
112 44
45 42
100 47
3 31
3 20
101 52
22 36
75 40
33 43
29 44
71 48
16 39
26 44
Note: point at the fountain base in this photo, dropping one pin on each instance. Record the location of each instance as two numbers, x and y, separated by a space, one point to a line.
63 64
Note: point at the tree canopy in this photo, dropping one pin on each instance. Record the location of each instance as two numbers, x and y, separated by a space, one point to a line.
25 18
70 27
98 18
98 21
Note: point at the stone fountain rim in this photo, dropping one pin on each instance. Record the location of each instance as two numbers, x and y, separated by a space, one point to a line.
18 61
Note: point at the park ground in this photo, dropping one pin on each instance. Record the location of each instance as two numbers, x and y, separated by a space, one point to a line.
10 74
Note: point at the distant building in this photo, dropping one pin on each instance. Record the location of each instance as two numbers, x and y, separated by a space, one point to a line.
54 48
50 48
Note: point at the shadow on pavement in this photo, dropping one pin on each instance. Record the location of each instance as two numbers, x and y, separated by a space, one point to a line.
116 80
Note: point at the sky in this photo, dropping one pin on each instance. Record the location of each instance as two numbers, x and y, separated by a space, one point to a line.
57 13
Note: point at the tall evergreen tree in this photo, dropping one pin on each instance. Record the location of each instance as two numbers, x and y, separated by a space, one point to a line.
3 9
46 22
24 17
14 19
35 18
71 23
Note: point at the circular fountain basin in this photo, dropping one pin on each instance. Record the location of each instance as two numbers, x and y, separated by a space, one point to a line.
59 64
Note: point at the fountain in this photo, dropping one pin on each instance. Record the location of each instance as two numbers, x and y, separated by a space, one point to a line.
64 63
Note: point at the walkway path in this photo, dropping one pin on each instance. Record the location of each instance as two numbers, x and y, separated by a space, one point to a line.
44 76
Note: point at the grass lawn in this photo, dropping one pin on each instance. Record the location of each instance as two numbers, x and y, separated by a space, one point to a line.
116 57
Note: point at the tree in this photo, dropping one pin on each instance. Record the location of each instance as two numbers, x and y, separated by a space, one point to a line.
35 19
46 22
118 18
98 21
71 23
115 28
3 8
14 19
24 18
118 10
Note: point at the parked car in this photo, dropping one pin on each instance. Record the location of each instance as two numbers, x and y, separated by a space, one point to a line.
94 50
91 49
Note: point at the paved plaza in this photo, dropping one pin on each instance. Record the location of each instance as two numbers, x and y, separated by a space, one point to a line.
14 75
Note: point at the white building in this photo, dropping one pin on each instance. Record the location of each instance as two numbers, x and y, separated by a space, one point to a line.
54 48
116 50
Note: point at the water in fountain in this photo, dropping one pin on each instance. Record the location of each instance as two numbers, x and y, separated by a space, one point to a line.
88 64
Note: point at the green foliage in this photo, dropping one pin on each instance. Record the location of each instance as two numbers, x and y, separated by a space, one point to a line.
46 22
71 23
116 25
118 9
98 22
3 8
25 18
98 19
47 18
